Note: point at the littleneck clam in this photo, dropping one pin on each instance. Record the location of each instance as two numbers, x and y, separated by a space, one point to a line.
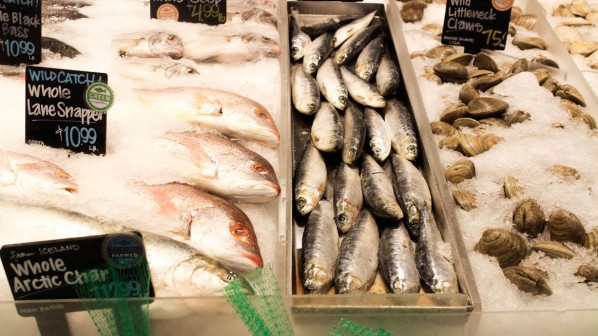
566 172
542 75
442 128
451 72
528 279
525 43
564 226
520 66
570 93
466 122
468 93
485 107
493 122
585 48
511 187
464 199
413 11
460 171
527 21
545 61
441 51
485 82
554 249
509 248
589 272
573 109
528 217
454 112
517 116
451 142
591 241
485 62
461 58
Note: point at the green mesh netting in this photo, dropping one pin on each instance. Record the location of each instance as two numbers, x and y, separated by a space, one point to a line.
262 311
112 313
348 328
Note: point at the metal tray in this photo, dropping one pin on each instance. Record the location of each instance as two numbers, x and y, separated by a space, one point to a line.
429 162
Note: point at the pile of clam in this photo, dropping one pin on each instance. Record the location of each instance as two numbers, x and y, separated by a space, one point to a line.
413 10
510 248
575 24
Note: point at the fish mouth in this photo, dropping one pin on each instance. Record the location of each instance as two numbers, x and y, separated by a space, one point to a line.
256 259
271 188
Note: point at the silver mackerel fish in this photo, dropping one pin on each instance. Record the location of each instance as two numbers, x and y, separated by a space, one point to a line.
397 259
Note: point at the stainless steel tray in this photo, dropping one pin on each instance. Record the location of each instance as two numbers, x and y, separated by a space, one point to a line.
468 297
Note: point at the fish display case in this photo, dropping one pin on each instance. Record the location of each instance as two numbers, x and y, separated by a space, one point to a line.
378 301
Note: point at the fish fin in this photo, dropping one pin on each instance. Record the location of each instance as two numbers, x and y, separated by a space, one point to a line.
208 167
207 106
165 205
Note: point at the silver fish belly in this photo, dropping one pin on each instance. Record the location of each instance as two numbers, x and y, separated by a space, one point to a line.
358 261
348 30
435 269
327 129
363 92
320 249
317 52
348 197
378 191
355 44
369 59
354 127
331 84
388 76
397 260
310 180
377 136
402 129
300 41
304 91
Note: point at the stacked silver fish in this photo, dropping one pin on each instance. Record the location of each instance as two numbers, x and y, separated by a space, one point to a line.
369 188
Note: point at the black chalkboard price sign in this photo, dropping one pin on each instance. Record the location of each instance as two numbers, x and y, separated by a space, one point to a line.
67 109
211 12
477 24
20 32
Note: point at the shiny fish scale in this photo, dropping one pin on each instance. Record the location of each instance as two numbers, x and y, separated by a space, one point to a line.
354 128
358 261
304 91
355 44
377 137
317 52
348 30
388 76
369 59
377 190
329 24
361 91
327 129
402 129
310 180
300 41
320 249
348 197
331 84
412 191
436 271
397 260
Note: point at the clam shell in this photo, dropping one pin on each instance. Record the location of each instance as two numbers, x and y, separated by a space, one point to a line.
580 9
566 172
461 58
490 139
485 82
451 142
464 199
558 125
565 226
585 48
554 249
515 12
528 279
562 10
442 128
589 120
576 22
567 33
591 241
466 122
511 187
573 109
528 218
487 107
468 93
484 61
454 112
551 85
441 51
460 171
517 116
416 54
479 72
512 30
525 43
433 28
471 145
527 21
545 61
542 75
508 247
592 60
413 11
570 93
494 122
451 72
519 66
432 77
587 271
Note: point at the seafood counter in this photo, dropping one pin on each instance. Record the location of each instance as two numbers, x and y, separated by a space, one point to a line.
193 144
516 134
365 220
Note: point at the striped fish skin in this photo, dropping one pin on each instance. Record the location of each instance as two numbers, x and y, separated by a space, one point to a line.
304 91
354 127
358 260
317 53
348 197
310 180
368 60
355 44
320 249
361 91
378 191
388 76
350 29
435 269
397 259
327 129
331 84
411 190
377 135
401 126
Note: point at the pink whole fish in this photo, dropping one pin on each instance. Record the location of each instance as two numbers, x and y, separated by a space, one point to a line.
211 224
23 175
224 167
231 114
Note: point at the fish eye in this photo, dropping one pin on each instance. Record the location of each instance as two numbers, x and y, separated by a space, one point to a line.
259 168
262 115
239 231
